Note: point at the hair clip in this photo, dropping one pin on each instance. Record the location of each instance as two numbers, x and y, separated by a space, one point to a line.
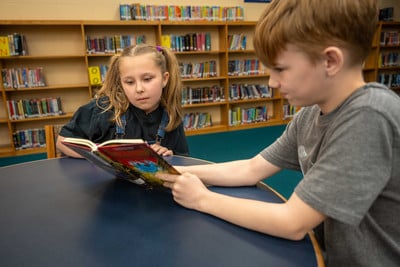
159 48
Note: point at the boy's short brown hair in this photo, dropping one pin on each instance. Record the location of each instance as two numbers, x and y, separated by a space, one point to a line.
312 25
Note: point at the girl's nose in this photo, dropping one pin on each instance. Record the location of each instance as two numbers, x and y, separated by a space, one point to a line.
139 88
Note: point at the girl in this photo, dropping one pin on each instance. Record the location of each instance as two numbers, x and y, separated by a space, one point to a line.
140 98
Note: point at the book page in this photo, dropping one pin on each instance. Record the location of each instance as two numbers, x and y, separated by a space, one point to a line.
121 141
79 141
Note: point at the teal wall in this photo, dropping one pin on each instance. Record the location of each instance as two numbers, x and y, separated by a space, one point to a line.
4 161
219 147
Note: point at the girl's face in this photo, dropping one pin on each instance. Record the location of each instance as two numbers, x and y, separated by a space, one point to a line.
142 81
298 80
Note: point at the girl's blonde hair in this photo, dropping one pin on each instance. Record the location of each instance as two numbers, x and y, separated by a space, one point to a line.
171 94
312 25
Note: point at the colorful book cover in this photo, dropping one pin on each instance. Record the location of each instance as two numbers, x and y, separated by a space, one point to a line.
4 46
166 40
94 75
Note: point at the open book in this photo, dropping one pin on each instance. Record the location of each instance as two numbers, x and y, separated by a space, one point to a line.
131 159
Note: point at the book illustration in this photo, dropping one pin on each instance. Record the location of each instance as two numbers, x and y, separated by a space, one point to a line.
131 159
140 159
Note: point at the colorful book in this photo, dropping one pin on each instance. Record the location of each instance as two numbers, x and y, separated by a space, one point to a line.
4 46
166 41
94 75
131 159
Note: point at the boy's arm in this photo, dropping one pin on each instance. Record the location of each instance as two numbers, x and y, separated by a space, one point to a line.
292 219
233 173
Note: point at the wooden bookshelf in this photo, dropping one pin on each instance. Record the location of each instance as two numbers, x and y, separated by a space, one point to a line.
59 47
387 55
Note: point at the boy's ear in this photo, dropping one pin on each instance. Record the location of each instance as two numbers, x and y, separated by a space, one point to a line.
334 60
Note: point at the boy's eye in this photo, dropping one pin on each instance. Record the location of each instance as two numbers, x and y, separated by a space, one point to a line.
277 69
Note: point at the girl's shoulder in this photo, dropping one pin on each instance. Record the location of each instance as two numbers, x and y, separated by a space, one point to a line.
95 105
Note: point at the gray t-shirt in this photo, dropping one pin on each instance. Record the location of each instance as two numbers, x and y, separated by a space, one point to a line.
350 159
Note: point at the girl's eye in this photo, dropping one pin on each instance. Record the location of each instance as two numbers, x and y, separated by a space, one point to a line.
147 79
129 82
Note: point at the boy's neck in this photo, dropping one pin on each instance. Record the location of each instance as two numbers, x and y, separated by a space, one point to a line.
341 87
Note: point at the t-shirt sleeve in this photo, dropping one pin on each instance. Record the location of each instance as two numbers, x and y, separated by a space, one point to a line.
352 168
283 152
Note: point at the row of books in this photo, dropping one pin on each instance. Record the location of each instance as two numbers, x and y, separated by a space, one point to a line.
200 41
249 91
13 45
245 67
198 70
33 108
390 38
197 120
241 115
289 111
137 11
237 42
97 74
112 44
391 80
23 77
30 138
389 59
206 94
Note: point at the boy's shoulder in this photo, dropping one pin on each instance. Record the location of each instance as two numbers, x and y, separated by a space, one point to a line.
378 96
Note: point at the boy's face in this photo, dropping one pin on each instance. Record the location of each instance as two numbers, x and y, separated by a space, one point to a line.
300 81
142 81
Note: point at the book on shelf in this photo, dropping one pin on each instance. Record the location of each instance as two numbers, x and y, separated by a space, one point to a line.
94 75
19 109
131 159
4 46
166 41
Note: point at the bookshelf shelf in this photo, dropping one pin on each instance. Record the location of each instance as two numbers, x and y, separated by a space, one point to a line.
59 47
44 118
386 55
52 87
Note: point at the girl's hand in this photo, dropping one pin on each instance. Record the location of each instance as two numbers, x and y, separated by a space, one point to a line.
162 151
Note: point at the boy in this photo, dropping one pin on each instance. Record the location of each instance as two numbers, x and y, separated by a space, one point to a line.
345 139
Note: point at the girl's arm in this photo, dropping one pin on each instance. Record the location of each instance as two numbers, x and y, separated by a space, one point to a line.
66 150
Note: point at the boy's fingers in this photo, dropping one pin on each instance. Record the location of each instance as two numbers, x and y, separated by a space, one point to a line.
166 177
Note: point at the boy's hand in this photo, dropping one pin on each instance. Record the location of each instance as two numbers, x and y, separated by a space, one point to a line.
188 190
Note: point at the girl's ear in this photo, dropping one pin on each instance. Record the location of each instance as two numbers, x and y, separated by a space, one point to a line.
334 60
165 78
